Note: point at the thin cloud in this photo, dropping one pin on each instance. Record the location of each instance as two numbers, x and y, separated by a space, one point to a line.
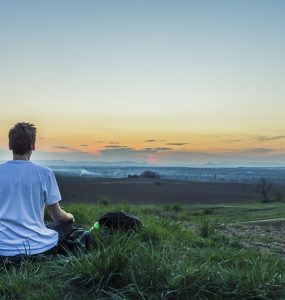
238 139
119 151
158 148
177 144
235 140
84 145
61 147
268 138
131 154
257 139
112 142
67 148
117 147
163 148
123 153
151 141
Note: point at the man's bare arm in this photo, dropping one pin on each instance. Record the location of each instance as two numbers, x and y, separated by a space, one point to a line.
58 214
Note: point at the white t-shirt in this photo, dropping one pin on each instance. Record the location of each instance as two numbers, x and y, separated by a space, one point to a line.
25 188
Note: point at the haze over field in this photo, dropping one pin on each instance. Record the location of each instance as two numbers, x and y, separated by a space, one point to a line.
163 82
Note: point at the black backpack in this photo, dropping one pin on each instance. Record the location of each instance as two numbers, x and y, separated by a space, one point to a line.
79 239
120 220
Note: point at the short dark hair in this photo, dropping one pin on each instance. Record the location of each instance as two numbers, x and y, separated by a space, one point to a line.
21 137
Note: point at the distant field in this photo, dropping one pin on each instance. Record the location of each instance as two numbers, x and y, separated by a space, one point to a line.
150 191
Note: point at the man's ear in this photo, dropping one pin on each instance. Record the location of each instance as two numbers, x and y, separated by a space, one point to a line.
33 146
10 147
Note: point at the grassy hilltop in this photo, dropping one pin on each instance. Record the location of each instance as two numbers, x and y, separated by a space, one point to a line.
183 252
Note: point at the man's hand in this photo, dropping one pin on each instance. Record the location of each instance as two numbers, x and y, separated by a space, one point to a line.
58 214
71 217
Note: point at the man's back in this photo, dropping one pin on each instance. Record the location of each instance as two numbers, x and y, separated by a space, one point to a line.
25 188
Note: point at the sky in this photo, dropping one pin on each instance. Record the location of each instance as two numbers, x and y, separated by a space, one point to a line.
164 82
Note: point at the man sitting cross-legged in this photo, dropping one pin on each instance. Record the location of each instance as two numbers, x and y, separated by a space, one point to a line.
25 189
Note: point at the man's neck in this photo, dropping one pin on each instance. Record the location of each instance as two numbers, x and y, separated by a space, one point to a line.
21 157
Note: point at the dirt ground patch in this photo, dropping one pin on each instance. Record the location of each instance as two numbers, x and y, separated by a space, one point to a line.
265 236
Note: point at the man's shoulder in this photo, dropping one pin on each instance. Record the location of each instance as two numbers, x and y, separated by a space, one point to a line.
41 168
3 165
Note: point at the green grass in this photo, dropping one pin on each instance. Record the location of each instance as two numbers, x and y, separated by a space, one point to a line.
177 255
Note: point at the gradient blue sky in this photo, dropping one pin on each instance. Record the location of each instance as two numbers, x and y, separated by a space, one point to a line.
205 80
